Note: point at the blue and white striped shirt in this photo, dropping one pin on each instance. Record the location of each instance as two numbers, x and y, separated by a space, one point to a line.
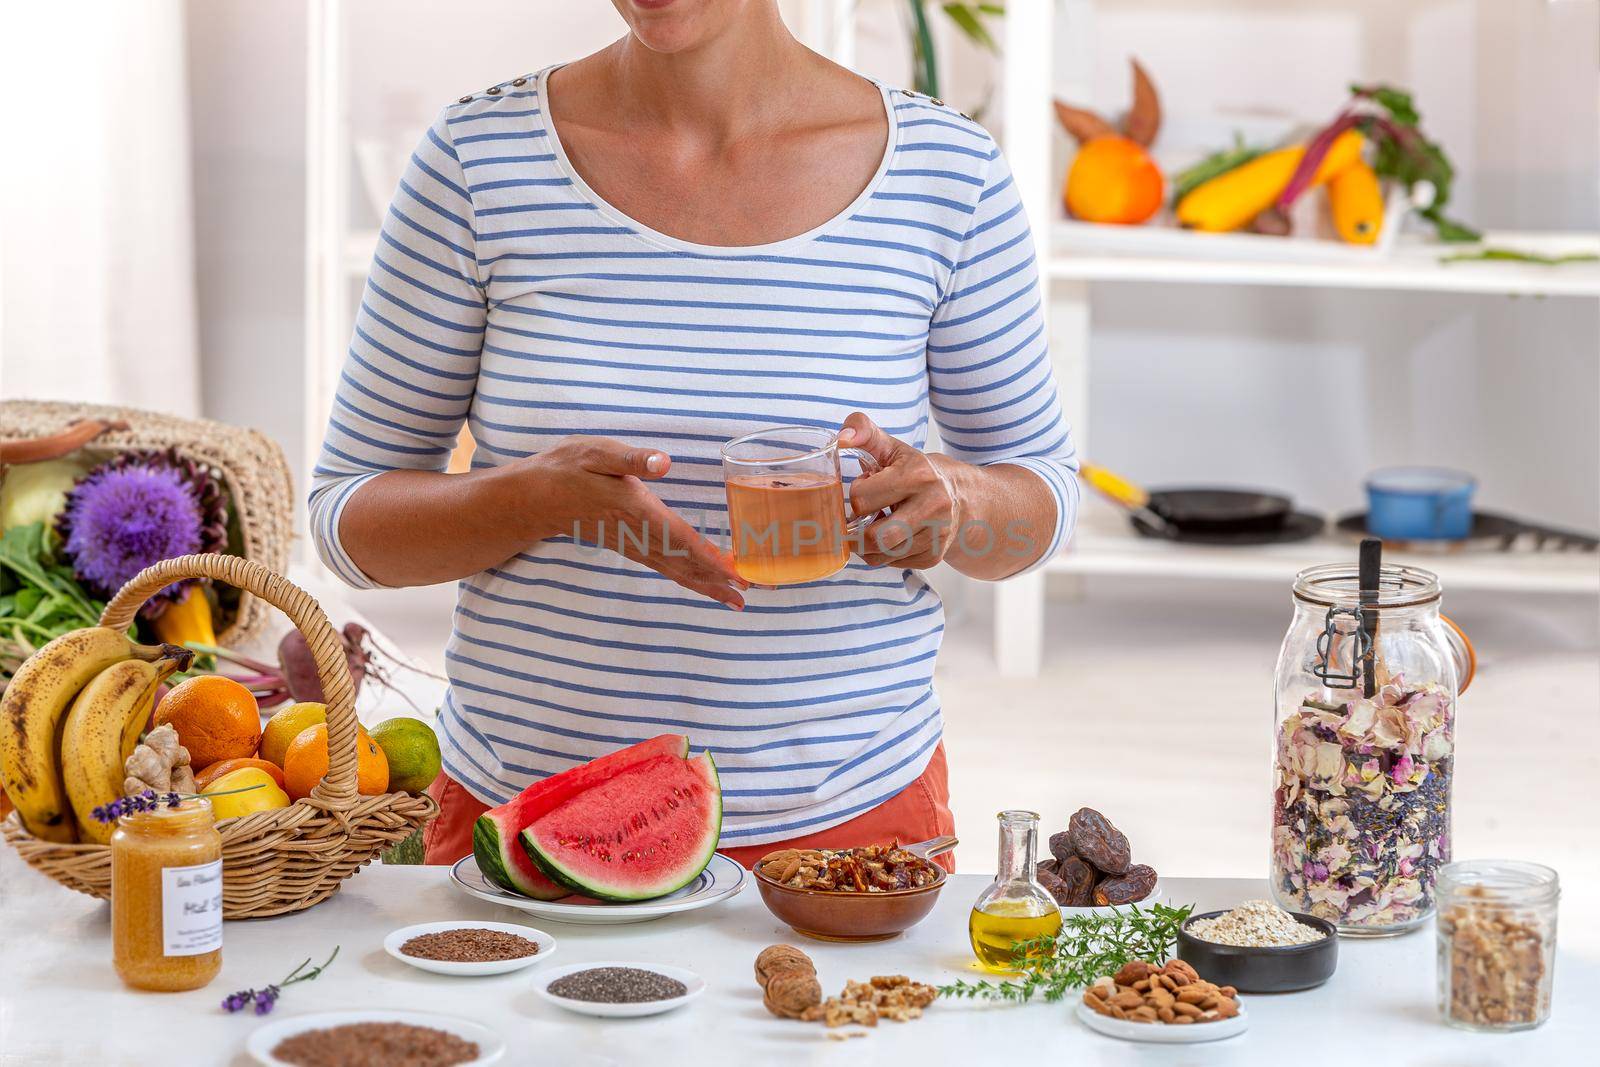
506 294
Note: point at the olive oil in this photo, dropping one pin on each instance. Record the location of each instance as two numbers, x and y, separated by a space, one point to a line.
1000 924
1015 907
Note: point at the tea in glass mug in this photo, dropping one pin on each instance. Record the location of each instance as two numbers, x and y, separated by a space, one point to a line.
786 506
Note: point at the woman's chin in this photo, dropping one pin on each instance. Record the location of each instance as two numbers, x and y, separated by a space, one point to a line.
670 26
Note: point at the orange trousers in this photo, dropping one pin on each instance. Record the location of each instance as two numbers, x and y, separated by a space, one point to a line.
918 812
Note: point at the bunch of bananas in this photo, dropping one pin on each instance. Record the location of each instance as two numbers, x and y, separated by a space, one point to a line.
70 717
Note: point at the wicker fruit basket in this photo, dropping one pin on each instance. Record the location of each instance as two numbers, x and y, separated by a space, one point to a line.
249 464
276 861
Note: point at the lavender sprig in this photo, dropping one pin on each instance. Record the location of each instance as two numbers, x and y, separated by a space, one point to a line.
146 801
264 1000
150 800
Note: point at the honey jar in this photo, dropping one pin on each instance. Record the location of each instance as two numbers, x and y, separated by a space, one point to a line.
166 897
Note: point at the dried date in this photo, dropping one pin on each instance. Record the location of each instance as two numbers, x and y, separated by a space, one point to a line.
1138 882
1044 867
1056 888
1061 847
1093 838
1079 878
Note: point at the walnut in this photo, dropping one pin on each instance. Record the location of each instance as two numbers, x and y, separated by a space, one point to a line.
790 993
776 958
837 1012
872 869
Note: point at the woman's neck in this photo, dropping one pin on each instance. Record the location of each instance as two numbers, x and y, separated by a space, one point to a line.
705 91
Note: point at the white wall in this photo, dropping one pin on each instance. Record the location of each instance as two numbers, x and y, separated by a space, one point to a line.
247 112
1297 389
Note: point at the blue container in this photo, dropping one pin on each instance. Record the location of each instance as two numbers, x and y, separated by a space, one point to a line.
1420 504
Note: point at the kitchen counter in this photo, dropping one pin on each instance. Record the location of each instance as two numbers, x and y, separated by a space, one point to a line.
61 1003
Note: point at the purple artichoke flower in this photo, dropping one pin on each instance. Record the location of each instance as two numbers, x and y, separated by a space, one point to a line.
119 521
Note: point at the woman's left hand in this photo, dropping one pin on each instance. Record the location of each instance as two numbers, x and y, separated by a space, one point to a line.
920 489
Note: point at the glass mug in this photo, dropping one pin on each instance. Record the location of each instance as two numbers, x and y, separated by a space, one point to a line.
786 504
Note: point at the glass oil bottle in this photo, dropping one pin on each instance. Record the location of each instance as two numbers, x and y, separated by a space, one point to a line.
1015 907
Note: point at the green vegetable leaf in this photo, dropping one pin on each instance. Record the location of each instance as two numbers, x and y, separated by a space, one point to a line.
1087 947
1395 101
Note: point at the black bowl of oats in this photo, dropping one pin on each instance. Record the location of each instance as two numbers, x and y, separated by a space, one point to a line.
1260 948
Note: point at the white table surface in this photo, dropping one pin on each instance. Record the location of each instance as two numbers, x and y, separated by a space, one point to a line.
61 1003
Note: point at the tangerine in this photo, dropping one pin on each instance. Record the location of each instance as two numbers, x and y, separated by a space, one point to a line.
1113 179
306 761
286 725
204 778
216 718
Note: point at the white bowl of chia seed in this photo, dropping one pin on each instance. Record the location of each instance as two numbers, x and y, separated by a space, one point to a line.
619 990
467 947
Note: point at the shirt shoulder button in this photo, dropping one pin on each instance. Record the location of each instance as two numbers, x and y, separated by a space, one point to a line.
936 101
465 100
520 81
493 90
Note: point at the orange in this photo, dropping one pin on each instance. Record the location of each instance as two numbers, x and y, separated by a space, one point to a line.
228 766
307 761
216 718
287 724
1113 179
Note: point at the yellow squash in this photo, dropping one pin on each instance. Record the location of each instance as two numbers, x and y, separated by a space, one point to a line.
187 620
1357 204
1230 200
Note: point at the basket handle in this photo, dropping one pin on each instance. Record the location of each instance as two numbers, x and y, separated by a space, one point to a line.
326 649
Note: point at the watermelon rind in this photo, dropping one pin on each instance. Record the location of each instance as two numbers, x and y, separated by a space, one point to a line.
494 835
615 887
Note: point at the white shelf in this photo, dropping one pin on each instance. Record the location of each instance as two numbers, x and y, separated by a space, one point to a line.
1104 543
1090 252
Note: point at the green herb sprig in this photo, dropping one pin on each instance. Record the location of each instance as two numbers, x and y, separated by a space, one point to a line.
1088 947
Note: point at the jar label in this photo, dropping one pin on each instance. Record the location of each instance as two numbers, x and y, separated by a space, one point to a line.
191 909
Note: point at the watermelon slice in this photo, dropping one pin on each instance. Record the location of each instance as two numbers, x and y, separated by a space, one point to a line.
494 835
644 832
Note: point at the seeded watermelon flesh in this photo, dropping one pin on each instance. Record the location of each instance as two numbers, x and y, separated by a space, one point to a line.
494 835
645 832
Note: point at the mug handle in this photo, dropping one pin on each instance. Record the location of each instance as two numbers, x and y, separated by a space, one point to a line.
868 466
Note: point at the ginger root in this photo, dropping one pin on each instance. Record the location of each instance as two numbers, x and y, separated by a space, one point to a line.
158 763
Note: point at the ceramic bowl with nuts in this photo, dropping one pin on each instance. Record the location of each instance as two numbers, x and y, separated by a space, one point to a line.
870 893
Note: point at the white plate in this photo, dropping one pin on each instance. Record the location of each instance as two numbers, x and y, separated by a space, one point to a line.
546 943
693 982
1163 1033
265 1038
1158 895
720 881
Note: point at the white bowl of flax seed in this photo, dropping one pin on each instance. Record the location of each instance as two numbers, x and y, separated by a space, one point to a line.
467 948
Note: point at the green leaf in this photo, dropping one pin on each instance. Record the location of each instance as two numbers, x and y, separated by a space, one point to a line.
968 19
1451 231
1514 256
924 62
1395 101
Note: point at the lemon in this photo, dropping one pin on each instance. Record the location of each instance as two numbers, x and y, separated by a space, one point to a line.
413 753
260 793
287 725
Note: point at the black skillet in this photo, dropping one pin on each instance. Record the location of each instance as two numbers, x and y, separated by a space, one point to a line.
1220 511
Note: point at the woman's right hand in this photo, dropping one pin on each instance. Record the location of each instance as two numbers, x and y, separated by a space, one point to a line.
596 486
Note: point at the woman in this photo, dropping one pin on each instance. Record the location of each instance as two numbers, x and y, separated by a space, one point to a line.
608 269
